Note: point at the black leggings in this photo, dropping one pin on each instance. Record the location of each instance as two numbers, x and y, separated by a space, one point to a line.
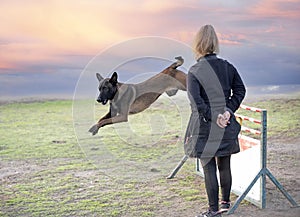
211 181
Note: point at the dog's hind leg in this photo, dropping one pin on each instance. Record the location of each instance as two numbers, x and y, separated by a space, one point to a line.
171 92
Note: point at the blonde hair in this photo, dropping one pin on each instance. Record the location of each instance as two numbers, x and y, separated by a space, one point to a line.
205 42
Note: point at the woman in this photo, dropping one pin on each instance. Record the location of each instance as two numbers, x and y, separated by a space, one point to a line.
215 91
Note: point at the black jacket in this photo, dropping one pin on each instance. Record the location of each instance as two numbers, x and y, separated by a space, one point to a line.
214 86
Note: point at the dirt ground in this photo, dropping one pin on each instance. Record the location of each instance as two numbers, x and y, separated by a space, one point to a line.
283 162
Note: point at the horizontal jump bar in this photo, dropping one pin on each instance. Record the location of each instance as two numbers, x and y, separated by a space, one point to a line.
251 108
249 130
248 119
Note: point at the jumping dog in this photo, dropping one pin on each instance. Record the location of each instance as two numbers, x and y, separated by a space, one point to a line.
128 99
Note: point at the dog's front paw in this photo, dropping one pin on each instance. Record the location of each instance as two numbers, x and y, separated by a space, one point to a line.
94 129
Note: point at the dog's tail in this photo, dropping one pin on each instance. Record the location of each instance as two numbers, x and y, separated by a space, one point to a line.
179 62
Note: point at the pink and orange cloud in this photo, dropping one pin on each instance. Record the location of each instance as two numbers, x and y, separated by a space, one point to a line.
37 32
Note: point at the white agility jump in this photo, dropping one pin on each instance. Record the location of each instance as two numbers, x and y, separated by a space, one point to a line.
249 167
264 171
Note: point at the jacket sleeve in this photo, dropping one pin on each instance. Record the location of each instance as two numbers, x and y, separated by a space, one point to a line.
194 94
238 91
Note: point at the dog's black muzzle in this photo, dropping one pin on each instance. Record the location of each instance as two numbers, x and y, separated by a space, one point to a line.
103 101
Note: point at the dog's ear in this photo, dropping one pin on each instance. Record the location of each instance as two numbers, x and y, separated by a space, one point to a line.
99 77
114 78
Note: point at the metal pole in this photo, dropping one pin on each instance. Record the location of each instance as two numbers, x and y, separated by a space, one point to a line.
264 157
242 196
177 168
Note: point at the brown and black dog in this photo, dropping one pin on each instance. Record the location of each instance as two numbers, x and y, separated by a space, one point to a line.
128 99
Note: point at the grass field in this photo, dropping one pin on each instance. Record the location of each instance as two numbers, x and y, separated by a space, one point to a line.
51 166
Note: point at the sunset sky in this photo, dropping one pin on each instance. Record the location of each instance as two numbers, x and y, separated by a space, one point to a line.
45 44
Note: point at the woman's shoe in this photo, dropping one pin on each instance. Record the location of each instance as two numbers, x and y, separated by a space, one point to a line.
224 206
210 214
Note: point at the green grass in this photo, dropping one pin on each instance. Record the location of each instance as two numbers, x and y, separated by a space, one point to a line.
45 172
37 131
56 176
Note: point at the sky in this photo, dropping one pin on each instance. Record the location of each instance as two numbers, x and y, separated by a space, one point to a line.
45 45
